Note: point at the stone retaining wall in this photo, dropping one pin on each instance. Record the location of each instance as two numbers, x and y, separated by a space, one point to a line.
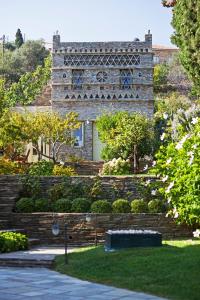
38 225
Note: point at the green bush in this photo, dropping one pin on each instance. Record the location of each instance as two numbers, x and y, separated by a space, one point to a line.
81 205
155 206
41 205
101 206
139 206
11 241
63 205
41 168
25 205
121 206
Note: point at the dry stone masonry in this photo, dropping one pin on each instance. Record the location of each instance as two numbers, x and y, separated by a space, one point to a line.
98 77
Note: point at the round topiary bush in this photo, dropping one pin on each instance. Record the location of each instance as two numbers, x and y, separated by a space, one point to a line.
41 205
121 206
25 205
155 206
63 205
139 206
81 205
101 207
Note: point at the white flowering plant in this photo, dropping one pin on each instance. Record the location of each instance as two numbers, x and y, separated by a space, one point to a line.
178 165
117 166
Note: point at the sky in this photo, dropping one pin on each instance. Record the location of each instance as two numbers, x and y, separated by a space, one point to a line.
86 20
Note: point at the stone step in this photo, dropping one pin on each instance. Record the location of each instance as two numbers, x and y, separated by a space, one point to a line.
17 230
19 262
33 242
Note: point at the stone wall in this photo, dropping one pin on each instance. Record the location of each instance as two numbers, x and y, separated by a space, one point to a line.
91 95
38 225
112 187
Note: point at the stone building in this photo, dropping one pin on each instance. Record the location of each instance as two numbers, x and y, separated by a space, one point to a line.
100 77
164 54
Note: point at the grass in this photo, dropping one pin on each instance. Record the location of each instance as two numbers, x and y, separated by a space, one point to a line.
171 271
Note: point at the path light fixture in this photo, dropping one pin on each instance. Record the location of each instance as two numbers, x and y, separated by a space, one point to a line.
55 228
88 219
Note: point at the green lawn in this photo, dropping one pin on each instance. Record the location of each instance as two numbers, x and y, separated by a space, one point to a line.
171 271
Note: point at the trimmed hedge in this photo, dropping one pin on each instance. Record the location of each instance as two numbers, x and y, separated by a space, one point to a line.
139 206
155 206
12 241
81 205
25 205
121 206
62 205
101 207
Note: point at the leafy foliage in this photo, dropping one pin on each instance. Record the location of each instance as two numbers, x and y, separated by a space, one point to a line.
18 61
26 89
25 205
63 171
185 22
41 168
9 167
81 205
17 129
126 135
139 206
117 166
155 206
12 241
121 206
62 205
19 38
178 165
101 206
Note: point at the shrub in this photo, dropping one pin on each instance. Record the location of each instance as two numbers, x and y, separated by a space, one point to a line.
25 205
41 168
155 206
9 167
101 206
41 205
11 241
81 205
116 167
62 205
139 206
63 171
121 206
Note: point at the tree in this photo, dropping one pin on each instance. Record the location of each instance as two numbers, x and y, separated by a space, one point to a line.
25 91
160 76
186 19
19 129
129 136
19 38
24 59
31 54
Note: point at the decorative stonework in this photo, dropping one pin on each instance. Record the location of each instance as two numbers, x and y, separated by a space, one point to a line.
92 78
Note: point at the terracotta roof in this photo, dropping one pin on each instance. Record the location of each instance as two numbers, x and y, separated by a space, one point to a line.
160 47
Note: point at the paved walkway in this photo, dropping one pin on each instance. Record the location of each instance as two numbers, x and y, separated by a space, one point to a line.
44 284
38 253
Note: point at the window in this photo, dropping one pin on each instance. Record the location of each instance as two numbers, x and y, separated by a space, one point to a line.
126 79
78 134
156 59
77 79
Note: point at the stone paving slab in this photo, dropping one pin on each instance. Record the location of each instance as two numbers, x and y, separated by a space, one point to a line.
45 284
36 253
